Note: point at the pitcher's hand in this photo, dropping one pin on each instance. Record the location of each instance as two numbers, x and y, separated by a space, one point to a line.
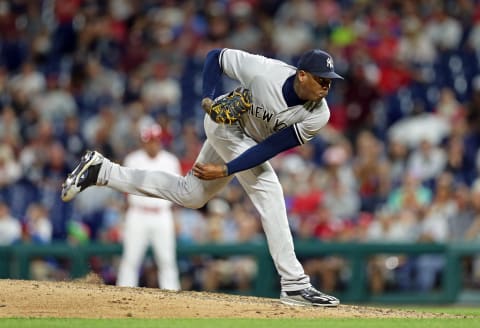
209 171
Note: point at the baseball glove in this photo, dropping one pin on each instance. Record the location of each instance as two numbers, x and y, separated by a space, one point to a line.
228 109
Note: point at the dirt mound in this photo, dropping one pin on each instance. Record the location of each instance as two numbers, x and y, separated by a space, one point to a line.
88 298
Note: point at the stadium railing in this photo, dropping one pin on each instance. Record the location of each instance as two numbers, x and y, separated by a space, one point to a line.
15 264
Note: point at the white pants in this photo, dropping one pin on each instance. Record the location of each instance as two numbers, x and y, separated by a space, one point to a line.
141 230
261 184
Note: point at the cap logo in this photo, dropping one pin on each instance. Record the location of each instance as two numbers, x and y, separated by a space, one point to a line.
329 63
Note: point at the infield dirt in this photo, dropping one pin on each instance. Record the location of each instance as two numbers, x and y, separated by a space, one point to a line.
88 298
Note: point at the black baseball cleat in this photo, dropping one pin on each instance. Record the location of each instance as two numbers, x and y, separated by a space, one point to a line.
308 297
83 176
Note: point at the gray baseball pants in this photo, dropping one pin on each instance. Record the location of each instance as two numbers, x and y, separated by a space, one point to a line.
261 184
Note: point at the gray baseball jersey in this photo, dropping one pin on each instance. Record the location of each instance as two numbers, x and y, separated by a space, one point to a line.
270 113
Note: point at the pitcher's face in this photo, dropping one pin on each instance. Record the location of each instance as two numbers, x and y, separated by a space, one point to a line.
310 87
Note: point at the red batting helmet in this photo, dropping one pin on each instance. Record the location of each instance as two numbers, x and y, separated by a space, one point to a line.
150 133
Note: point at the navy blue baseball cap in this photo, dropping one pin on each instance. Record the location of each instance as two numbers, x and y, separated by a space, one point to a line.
319 63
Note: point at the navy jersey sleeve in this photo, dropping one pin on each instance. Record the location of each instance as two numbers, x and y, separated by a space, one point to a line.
211 74
273 145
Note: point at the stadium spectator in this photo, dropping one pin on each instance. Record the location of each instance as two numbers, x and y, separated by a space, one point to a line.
291 35
10 228
397 153
448 106
161 91
4 87
459 224
411 195
381 229
245 34
458 162
415 47
473 232
10 171
28 83
72 139
38 228
55 103
361 98
55 167
404 266
444 30
433 228
427 162
10 128
371 170
340 188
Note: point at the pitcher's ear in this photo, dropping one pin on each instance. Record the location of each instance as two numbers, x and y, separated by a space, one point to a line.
301 75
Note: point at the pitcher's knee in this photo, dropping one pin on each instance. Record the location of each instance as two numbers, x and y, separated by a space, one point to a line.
194 202
193 193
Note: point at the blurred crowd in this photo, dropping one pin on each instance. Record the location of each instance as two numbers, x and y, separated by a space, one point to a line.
398 162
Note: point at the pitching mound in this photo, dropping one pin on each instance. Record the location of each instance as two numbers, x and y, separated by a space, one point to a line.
91 299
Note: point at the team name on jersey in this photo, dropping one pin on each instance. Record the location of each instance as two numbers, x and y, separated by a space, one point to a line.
265 115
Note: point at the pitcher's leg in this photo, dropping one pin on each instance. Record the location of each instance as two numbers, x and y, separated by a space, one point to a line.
264 189
262 186
185 191
188 191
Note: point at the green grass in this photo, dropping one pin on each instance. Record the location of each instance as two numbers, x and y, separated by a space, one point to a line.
472 321
238 323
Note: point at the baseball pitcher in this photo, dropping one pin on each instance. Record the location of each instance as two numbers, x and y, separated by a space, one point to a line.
277 107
